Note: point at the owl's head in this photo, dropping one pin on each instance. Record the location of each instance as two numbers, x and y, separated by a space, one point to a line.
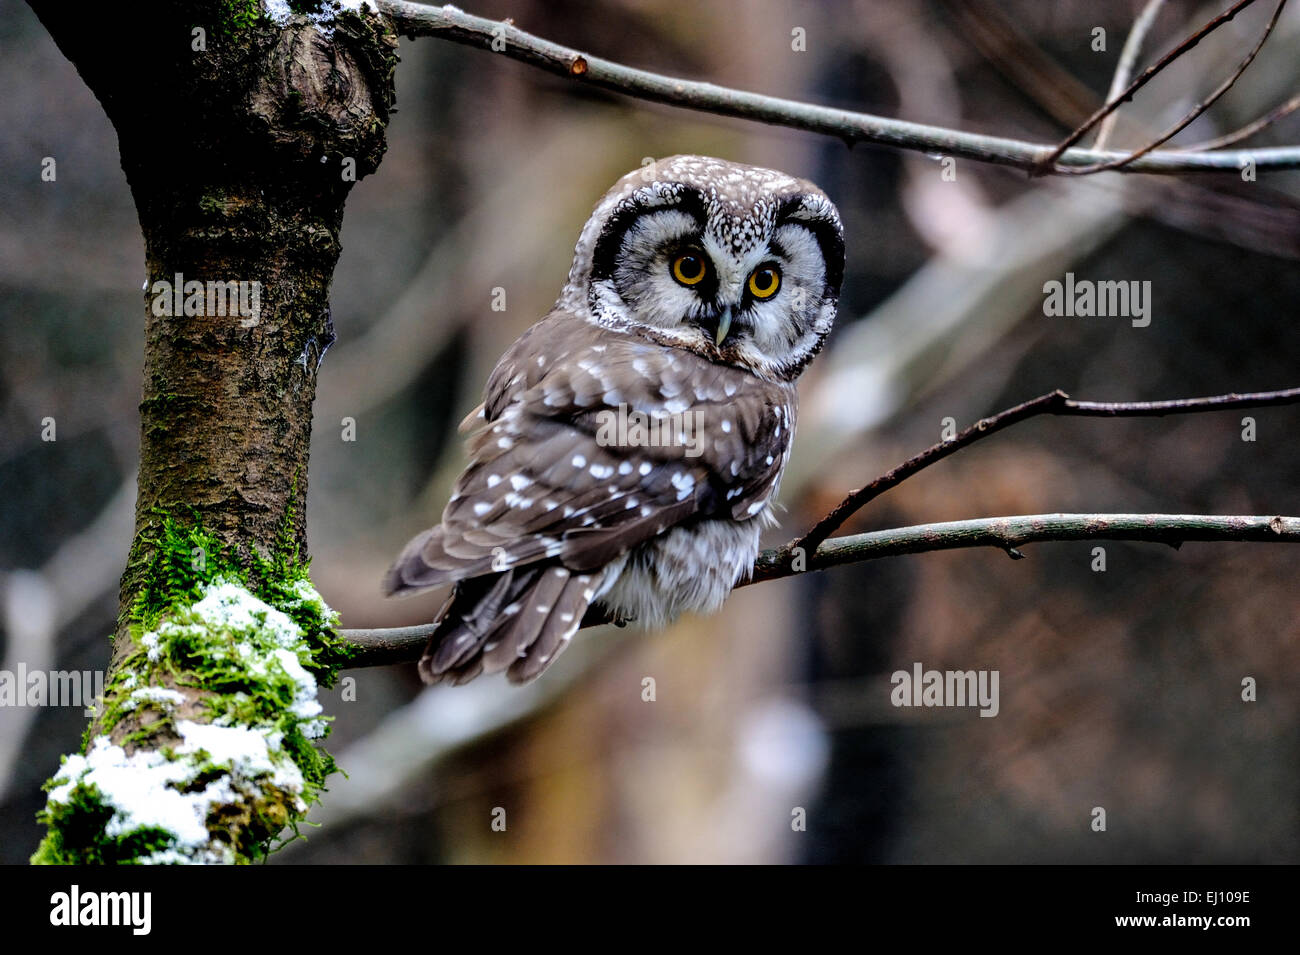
739 264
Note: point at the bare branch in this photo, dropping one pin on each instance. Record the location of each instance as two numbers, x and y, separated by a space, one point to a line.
415 19
1128 57
1250 129
1054 403
403 644
398 644
1006 533
1191 116
1052 162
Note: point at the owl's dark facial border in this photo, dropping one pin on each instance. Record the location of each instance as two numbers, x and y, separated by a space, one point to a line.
605 257
829 234
826 229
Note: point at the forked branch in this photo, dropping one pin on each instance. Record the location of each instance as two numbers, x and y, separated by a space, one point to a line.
814 551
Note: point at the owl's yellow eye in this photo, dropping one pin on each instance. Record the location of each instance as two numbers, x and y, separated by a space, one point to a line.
689 268
763 282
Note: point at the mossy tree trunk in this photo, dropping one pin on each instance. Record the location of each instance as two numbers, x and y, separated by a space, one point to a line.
240 138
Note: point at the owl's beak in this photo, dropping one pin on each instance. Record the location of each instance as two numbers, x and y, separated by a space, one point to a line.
724 324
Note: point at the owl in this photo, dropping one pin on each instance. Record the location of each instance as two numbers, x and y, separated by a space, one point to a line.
630 445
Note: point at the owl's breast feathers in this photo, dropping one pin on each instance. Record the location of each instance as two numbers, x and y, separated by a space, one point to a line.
592 442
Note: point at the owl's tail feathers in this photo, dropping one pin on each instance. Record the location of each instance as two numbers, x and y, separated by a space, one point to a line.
412 571
518 621
425 562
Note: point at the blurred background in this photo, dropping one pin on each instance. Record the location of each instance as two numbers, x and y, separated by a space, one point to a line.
1119 689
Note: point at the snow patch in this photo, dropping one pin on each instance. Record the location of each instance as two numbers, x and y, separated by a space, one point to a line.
280 13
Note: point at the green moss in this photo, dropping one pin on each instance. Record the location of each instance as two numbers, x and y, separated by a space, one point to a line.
241 635
185 557
76 835
239 15
213 205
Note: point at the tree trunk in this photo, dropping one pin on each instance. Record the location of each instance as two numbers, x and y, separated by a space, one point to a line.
240 138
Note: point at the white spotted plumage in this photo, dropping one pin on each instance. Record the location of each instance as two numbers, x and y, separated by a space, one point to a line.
630 444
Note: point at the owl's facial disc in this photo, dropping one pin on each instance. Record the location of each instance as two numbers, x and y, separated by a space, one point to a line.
751 284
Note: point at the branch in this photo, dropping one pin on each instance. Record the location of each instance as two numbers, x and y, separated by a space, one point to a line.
1006 533
1250 129
403 644
1052 162
1124 68
415 19
1054 403
814 551
1192 115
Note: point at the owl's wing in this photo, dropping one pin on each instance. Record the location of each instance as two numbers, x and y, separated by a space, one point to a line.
553 479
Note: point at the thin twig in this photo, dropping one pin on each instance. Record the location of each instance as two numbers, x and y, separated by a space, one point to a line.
1192 114
1054 403
402 644
1250 129
415 19
1051 162
1128 57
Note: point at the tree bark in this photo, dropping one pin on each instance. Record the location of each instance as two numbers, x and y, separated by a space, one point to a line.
240 138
